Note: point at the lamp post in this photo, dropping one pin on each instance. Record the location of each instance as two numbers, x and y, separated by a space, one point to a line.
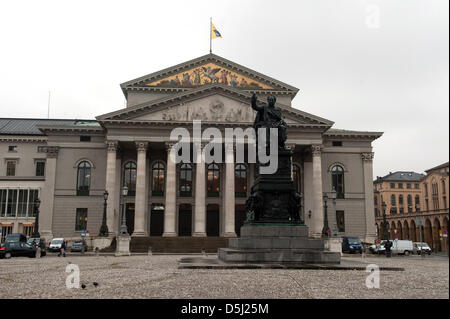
37 203
123 226
104 228
385 234
326 228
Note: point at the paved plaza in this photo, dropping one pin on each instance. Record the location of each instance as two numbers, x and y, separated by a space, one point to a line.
158 276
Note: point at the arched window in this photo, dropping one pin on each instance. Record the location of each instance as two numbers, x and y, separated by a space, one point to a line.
409 200
393 200
240 180
296 176
129 177
185 180
417 200
158 171
213 180
337 179
83 178
400 199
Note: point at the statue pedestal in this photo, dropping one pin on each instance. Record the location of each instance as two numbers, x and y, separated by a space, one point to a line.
123 246
279 244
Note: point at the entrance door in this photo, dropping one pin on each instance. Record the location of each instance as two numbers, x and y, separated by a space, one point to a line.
157 220
185 220
6 230
212 220
239 218
129 208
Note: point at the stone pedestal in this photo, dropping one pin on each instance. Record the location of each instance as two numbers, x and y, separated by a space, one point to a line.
333 244
123 246
265 243
101 242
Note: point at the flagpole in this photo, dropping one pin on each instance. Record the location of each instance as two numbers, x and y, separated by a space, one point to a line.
210 35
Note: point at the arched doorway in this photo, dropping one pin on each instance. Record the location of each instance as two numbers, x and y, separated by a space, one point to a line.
436 235
406 230
413 230
445 229
399 230
212 220
393 229
239 218
185 220
157 219
428 233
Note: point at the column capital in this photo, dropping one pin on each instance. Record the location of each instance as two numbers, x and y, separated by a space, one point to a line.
316 149
112 146
169 145
52 151
141 146
367 157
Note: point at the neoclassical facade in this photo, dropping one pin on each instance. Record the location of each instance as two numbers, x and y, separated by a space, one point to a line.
77 160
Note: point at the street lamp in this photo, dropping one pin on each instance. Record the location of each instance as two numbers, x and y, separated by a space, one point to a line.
37 203
123 227
385 234
325 229
104 228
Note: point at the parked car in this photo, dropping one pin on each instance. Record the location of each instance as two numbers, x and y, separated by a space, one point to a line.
39 242
351 245
15 238
402 247
55 244
419 247
79 245
18 249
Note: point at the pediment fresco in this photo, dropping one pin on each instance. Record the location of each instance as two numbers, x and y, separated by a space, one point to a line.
209 73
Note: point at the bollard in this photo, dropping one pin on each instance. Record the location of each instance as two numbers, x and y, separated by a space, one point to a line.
97 251
38 252
150 251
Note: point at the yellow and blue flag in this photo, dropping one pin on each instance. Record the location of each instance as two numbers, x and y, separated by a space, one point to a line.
214 32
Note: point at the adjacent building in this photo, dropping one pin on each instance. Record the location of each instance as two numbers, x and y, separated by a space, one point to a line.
416 205
69 164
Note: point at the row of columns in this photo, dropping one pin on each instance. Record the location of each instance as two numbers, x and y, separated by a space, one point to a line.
170 191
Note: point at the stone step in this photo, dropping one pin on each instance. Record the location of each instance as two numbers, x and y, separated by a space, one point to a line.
276 243
177 244
254 230
300 256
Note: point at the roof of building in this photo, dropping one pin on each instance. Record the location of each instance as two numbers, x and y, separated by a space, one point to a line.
24 126
400 176
438 167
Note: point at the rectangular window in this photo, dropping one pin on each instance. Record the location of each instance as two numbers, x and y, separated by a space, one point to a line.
31 198
40 168
408 186
401 210
340 221
22 204
416 186
41 149
6 230
337 143
400 185
10 168
12 203
3 193
392 185
84 138
28 230
12 148
81 219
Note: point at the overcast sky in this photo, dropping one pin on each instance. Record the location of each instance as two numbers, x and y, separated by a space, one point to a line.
366 65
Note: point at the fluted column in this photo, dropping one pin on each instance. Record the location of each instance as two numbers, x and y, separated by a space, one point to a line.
171 195
200 196
318 213
367 159
229 191
141 177
110 184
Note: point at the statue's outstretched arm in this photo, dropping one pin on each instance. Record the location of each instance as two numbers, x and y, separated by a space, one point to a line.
254 106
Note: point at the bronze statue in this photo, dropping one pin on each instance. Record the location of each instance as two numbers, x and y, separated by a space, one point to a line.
269 117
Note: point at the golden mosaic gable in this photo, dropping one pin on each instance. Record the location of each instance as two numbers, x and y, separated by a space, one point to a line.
209 73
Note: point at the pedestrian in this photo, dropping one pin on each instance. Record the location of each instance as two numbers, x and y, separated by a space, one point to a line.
62 251
388 246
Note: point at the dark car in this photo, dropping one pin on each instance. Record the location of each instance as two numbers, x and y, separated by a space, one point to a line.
15 238
37 242
351 245
80 246
18 249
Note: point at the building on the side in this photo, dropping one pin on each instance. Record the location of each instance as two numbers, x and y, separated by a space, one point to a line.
69 164
416 205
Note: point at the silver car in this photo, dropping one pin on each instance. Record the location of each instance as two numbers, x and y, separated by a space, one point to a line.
419 247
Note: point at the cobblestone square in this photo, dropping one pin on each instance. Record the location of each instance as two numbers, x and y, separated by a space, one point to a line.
158 276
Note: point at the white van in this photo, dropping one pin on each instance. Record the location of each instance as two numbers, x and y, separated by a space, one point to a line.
403 247
55 244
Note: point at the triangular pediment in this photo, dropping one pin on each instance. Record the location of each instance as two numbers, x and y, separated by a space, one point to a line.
205 70
216 103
